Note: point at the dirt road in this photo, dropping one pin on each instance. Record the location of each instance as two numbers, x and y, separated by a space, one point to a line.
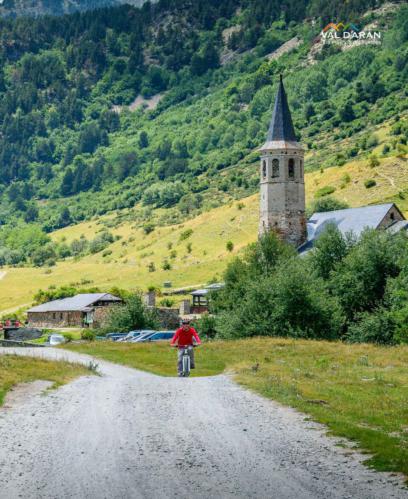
129 434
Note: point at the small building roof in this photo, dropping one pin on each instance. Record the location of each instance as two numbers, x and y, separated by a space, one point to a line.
353 220
208 289
200 292
76 303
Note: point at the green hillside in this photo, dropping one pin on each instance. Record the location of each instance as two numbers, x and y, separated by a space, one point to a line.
130 123
16 8
139 260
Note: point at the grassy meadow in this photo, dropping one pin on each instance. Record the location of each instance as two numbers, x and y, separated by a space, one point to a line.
358 391
126 264
15 369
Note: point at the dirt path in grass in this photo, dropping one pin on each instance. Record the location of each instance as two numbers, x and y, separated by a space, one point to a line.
130 434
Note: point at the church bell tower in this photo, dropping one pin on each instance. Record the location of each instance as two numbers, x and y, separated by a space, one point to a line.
282 183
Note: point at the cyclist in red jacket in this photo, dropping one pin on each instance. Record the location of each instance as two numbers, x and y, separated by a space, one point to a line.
184 337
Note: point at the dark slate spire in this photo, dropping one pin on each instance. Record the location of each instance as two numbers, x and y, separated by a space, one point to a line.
281 126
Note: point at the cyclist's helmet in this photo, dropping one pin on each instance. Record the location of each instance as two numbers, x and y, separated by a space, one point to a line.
185 321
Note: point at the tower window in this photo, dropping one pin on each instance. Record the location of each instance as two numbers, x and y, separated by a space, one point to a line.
291 168
275 168
264 169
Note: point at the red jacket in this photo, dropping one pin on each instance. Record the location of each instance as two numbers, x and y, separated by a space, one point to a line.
185 338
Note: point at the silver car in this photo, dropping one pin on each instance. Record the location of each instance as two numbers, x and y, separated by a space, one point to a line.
55 339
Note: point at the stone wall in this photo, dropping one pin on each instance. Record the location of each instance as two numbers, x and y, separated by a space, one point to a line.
101 315
390 218
55 319
13 343
22 333
168 317
289 226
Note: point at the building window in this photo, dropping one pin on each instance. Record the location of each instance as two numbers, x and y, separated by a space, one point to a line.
291 168
275 168
263 169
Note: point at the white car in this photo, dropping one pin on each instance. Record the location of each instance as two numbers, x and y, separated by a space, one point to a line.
55 339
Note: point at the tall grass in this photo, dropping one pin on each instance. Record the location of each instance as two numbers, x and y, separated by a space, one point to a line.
16 369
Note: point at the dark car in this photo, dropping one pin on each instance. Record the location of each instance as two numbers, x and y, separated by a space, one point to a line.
159 336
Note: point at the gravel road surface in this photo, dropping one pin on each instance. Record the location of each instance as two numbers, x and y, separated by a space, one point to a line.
129 434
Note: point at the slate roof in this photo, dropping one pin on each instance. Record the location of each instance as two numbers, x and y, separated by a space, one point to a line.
349 220
76 303
281 134
281 125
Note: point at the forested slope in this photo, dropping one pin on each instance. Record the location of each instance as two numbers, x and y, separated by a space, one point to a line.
26 8
74 144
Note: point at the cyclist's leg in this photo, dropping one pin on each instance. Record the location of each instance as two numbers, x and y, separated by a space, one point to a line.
179 360
192 362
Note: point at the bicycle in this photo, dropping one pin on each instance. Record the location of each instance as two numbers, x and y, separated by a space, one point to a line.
186 362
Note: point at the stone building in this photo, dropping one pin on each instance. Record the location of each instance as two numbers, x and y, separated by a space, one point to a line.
282 185
282 191
83 310
355 220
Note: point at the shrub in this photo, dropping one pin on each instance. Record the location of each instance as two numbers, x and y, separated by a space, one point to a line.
101 242
289 302
374 327
148 228
229 246
373 161
167 302
360 281
386 149
206 326
328 203
166 265
68 337
372 141
330 249
151 267
325 191
186 234
189 247
132 315
370 183
87 335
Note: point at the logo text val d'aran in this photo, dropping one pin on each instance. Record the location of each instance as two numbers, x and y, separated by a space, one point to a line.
349 31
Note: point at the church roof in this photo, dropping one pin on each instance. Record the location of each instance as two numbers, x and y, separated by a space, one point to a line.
281 133
353 220
281 126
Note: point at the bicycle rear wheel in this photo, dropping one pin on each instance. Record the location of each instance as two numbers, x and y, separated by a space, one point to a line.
186 365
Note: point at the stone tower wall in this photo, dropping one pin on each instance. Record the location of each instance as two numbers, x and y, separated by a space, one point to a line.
282 196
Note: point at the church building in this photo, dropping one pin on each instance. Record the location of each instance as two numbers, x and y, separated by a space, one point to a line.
282 191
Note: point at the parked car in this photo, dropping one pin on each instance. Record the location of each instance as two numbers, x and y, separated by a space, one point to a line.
160 336
55 339
155 336
115 336
131 336
143 336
